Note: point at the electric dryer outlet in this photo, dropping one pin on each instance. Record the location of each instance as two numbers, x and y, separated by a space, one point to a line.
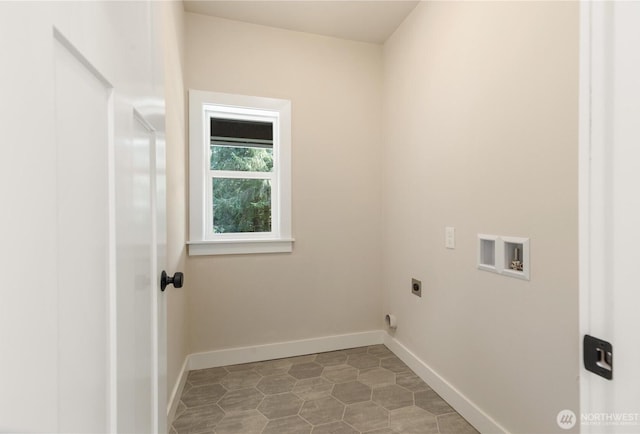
416 287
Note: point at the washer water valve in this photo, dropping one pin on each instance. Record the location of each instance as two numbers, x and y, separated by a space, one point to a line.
516 263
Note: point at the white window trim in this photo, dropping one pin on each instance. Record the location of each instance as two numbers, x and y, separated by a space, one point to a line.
200 241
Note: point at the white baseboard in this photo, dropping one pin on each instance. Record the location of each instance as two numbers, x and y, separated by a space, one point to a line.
234 356
176 393
474 415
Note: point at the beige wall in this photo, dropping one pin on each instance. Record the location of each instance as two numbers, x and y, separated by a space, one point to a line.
481 134
331 283
478 102
177 324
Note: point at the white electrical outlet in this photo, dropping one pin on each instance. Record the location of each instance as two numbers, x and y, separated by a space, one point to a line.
450 237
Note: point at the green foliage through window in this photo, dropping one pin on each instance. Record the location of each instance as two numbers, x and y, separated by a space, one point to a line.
246 159
241 204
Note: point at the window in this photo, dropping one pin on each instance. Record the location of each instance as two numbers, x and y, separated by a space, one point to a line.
239 174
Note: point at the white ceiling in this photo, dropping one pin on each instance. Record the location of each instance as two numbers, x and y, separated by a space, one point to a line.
366 21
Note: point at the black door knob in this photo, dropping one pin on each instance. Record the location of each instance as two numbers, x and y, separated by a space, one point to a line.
176 280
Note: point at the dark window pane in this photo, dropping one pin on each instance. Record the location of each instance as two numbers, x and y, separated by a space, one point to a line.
241 205
241 158
238 129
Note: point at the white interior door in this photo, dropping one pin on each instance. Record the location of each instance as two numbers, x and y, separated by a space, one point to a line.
82 324
83 115
610 210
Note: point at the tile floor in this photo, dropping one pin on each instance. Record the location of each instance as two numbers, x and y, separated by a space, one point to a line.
360 390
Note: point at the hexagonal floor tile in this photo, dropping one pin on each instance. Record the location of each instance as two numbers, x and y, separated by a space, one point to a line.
352 392
240 400
277 406
363 361
339 392
356 350
392 397
240 380
199 419
394 364
334 428
305 370
181 408
242 367
186 387
323 410
411 381
206 376
273 367
413 420
340 373
301 359
276 384
366 416
453 423
377 377
332 358
313 388
431 401
379 351
202 395
383 431
288 425
242 422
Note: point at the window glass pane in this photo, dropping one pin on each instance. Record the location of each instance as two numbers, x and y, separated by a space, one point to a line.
249 131
241 205
241 158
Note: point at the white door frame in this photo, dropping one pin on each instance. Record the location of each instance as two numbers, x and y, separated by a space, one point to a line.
589 200
593 212
608 207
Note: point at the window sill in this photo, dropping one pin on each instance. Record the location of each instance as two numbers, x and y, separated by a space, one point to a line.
239 247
